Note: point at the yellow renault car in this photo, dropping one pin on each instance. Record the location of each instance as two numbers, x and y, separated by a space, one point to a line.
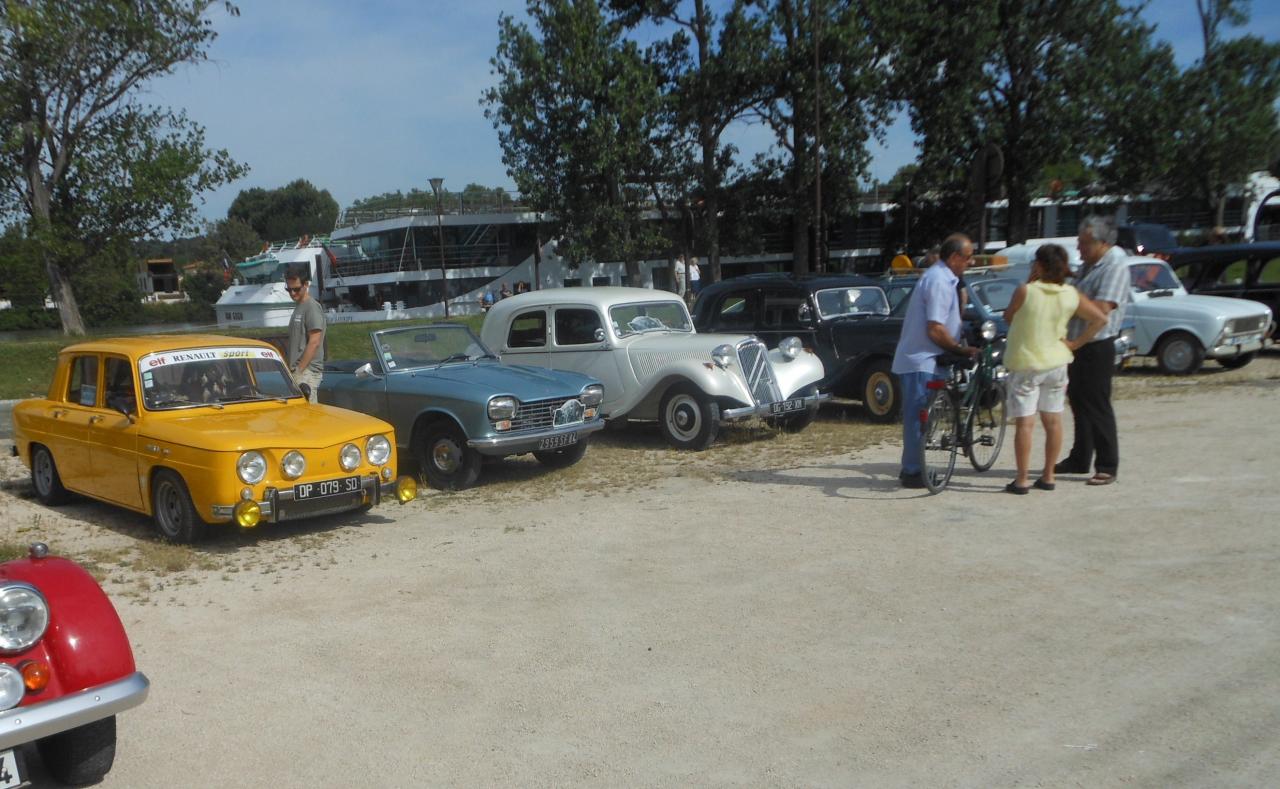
196 430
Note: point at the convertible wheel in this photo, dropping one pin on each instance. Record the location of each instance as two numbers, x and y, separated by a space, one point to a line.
172 511
688 418
1179 354
44 477
82 755
562 458
880 395
446 460
1236 362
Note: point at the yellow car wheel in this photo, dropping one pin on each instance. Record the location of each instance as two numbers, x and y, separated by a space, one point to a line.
171 509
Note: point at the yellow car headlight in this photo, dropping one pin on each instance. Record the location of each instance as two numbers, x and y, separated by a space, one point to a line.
377 449
349 457
293 465
251 467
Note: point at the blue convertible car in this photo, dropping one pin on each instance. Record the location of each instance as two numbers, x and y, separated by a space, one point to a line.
451 402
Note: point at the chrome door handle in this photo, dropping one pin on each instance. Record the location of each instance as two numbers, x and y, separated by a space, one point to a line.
57 412
95 419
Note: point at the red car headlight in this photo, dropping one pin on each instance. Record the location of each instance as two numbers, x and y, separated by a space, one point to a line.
24 615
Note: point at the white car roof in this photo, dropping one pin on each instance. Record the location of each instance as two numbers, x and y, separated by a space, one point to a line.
603 297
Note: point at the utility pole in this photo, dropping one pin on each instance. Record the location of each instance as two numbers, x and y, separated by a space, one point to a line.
436 183
819 245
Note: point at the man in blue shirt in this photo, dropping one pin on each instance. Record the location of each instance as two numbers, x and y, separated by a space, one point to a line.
931 327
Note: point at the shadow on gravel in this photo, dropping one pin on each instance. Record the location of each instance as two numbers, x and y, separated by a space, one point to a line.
878 481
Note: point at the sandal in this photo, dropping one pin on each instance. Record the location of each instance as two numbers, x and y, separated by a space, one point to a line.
1012 487
1040 484
1101 479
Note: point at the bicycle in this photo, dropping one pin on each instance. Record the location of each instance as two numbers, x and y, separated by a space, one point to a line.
965 410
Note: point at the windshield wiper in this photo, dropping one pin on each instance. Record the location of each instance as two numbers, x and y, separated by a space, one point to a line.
1161 293
183 401
455 357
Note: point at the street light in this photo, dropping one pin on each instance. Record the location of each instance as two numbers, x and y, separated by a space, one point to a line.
436 183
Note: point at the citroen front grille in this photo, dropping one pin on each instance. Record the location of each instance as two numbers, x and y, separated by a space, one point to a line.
754 359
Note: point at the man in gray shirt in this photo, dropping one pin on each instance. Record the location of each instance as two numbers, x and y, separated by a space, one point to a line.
306 331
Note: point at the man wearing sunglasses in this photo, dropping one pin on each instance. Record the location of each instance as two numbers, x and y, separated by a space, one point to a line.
306 331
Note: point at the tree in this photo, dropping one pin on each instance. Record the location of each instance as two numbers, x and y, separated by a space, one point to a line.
574 109
292 211
1030 76
82 160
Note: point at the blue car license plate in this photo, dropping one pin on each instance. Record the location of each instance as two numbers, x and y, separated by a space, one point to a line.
787 406
327 487
556 442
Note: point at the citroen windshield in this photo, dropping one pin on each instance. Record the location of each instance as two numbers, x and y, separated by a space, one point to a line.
647 316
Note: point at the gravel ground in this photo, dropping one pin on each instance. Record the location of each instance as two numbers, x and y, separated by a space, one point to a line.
754 615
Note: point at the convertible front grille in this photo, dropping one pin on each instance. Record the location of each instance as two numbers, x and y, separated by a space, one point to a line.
1245 325
754 359
537 415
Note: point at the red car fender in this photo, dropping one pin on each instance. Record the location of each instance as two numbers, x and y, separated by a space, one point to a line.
85 642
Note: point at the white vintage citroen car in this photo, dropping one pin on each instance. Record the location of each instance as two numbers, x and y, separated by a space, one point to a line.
642 346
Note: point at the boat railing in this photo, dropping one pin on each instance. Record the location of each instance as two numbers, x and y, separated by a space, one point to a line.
493 202
411 258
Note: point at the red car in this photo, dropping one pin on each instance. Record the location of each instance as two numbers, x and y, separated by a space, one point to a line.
66 669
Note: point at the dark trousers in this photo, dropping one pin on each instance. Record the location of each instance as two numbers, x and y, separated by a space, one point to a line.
1089 393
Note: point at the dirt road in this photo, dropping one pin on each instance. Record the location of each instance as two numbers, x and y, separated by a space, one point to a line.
807 625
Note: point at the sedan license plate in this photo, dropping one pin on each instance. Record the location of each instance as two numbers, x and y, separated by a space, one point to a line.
10 774
555 442
328 487
787 406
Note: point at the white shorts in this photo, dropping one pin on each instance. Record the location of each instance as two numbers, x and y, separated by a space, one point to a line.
1037 390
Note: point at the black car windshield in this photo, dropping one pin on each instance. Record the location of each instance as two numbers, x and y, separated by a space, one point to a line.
650 316
195 377
1147 277
838 302
426 346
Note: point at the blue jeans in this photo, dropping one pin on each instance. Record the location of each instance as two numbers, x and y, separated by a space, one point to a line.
915 393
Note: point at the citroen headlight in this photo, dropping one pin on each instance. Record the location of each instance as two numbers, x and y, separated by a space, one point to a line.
722 355
251 467
791 347
592 395
377 449
502 408
24 615
293 465
988 330
349 457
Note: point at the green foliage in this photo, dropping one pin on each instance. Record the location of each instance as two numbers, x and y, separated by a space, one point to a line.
204 286
22 278
473 197
108 289
28 317
175 312
292 211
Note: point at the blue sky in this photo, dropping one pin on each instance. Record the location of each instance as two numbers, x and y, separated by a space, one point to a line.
364 98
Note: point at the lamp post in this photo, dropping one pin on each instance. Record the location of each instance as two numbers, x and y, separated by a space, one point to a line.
436 183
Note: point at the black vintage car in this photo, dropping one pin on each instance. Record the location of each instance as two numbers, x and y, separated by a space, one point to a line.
843 318
1244 271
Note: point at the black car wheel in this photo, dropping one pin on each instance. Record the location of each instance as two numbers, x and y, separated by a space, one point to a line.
446 460
880 395
44 477
688 418
82 755
172 511
1179 354
1236 362
562 458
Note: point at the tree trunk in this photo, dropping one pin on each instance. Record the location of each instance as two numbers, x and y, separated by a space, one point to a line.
59 279
537 255
60 289
1019 210
709 140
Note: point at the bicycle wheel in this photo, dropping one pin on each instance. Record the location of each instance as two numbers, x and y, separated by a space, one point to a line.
985 428
938 446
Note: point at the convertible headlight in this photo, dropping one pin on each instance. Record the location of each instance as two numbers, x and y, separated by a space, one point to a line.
592 395
251 467
349 457
24 615
293 464
502 408
377 449
12 687
791 347
988 330
722 355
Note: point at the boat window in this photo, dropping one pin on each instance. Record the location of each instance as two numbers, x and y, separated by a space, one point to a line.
650 316
1233 273
120 395
838 302
82 389
1270 272
528 330
576 327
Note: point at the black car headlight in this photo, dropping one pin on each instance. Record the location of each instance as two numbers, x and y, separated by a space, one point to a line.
24 615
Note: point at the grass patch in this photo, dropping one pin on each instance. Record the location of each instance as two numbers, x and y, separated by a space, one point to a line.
11 549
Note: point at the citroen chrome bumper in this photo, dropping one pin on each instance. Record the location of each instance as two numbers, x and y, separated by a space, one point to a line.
793 405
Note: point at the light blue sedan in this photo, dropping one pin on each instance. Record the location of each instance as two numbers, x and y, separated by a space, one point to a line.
452 403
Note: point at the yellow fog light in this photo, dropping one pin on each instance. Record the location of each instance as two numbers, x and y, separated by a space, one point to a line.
406 489
248 513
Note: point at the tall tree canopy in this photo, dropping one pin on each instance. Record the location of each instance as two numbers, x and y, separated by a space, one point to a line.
81 159
292 211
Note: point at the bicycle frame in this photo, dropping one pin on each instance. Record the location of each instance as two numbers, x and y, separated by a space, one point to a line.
971 395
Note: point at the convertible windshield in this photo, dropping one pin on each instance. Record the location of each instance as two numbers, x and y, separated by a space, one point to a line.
996 293
195 377
1147 277
425 346
650 316
839 302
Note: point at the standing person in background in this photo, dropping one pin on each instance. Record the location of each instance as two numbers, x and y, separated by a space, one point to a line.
306 331
680 274
694 277
1037 357
1104 279
931 328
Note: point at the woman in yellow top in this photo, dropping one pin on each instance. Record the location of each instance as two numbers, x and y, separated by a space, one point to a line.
1037 356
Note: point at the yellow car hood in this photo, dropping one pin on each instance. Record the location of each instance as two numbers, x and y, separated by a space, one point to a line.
254 426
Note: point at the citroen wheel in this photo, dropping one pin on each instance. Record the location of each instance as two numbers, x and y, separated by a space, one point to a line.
688 418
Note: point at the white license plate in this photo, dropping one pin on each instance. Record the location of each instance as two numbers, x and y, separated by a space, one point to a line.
9 774
787 406
555 442
328 487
